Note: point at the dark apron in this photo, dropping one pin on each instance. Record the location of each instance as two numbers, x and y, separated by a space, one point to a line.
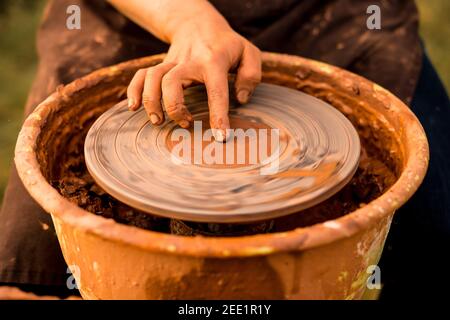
330 31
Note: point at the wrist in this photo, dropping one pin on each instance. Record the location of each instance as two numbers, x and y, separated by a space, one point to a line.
211 24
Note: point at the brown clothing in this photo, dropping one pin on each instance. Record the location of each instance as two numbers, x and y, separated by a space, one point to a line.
332 31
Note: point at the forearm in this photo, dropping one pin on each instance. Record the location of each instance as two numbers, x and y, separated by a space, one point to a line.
163 18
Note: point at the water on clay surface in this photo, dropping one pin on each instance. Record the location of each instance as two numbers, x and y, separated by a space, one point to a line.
371 179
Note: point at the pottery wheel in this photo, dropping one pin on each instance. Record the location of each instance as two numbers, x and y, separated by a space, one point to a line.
318 153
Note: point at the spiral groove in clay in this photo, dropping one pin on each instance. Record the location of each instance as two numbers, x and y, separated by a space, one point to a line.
318 154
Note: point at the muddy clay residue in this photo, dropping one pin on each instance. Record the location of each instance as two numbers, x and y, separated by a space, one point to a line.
371 179
224 160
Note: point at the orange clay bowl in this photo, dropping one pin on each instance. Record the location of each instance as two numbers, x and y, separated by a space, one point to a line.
327 260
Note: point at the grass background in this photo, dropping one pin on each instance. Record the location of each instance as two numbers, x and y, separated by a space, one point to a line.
18 22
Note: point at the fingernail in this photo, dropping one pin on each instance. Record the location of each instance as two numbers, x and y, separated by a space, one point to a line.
130 103
243 96
154 118
184 124
220 135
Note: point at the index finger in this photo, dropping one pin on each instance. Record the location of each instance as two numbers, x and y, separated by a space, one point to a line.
216 84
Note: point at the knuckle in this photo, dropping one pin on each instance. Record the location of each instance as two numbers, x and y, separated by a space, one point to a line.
250 47
154 72
174 109
150 74
211 57
250 75
177 111
253 77
140 72
216 94
148 100
136 78
170 77
254 48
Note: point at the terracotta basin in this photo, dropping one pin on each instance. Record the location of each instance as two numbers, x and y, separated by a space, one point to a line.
13 293
326 260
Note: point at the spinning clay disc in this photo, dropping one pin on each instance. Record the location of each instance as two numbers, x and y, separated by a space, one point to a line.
292 151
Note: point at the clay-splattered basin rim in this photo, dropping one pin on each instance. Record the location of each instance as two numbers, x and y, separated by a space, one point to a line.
410 133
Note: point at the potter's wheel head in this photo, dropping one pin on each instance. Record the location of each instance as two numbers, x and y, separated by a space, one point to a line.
311 156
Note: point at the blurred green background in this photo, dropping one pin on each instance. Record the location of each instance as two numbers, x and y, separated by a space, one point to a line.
18 22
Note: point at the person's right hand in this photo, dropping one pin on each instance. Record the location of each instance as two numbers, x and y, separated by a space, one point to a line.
198 55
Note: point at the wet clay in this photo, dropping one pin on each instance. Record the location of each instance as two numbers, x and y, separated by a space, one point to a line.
314 146
376 172
228 158
371 179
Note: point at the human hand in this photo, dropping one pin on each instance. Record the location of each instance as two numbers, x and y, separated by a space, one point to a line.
198 55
